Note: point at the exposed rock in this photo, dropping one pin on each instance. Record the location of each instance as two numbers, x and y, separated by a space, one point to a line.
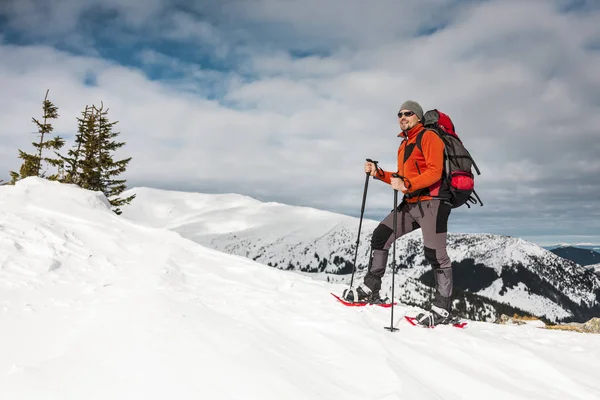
569 327
592 326
506 320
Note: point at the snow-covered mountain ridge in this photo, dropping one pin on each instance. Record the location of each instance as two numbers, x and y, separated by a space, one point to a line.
493 274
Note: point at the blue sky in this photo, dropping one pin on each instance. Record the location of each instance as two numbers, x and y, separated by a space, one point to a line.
284 100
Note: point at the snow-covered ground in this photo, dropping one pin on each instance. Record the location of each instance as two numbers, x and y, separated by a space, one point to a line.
94 306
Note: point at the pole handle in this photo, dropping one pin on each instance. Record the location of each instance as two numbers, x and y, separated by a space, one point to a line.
374 162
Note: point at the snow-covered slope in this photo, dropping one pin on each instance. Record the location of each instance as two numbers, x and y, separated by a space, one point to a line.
493 273
271 233
93 306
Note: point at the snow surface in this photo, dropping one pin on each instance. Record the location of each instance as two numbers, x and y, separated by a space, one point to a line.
94 306
303 238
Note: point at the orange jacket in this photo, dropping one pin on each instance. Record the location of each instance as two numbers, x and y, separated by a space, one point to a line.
420 170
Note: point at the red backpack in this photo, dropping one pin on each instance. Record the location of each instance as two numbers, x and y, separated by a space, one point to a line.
457 160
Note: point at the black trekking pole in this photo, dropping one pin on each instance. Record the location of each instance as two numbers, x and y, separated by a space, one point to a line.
395 221
362 211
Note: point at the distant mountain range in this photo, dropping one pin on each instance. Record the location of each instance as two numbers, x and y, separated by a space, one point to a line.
585 246
582 256
493 274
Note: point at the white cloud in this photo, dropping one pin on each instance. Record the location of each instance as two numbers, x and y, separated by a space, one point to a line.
518 78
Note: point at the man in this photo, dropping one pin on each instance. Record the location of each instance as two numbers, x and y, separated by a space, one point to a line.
425 205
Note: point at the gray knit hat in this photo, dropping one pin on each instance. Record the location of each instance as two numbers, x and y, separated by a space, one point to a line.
414 107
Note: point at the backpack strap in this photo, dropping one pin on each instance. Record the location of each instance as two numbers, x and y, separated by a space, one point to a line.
420 139
475 165
477 196
446 158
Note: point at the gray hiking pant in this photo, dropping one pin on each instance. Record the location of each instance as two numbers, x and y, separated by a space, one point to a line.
432 217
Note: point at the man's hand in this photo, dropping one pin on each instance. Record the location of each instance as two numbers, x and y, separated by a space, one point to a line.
398 184
370 168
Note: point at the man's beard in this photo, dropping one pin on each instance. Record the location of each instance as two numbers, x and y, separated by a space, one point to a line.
409 126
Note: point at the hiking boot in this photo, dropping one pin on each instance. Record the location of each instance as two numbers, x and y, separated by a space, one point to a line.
437 316
360 294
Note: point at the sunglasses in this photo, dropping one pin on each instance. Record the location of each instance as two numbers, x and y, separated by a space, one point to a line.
406 114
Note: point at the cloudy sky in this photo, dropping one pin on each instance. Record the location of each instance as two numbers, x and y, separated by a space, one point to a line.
283 100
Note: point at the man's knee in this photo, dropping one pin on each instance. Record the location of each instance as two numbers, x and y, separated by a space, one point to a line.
438 258
381 234
431 257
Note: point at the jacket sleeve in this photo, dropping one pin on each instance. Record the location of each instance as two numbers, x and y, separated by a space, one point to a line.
433 151
386 176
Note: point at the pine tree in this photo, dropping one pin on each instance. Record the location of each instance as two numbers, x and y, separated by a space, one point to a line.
89 165
73 159
32 163
98 167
